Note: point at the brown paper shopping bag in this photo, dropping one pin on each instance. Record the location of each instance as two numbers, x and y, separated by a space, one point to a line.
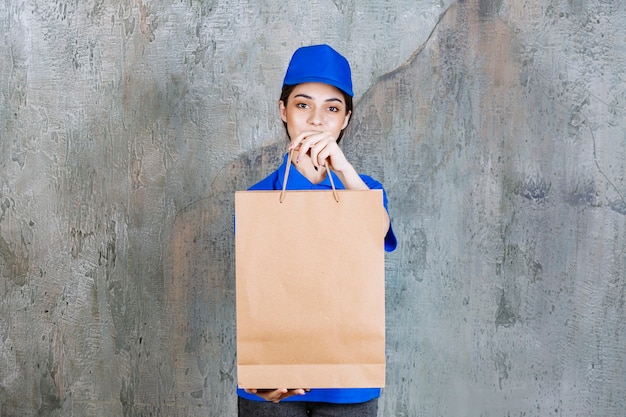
310 289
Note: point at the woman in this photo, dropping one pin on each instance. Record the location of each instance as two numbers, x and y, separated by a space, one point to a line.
315 107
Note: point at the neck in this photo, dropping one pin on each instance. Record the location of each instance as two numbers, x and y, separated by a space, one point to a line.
306 168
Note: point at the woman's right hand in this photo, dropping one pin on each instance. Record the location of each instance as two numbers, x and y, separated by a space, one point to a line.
276 395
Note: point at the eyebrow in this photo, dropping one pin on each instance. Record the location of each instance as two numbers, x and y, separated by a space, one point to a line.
311 98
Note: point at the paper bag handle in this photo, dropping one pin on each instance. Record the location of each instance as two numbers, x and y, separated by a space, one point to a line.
330 177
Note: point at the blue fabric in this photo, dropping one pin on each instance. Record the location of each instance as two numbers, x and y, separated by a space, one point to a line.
297 181
321 64
326 395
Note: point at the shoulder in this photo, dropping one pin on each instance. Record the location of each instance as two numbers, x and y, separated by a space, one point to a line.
371 183
274 180
268 183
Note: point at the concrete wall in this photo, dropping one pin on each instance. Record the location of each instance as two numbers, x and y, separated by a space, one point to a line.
497 126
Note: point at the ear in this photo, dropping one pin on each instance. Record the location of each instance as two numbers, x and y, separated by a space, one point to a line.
346 120
283 111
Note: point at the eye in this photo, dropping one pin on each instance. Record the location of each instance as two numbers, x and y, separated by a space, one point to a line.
301 105
333 109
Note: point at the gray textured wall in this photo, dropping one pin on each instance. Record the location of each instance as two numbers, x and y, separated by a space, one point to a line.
497 126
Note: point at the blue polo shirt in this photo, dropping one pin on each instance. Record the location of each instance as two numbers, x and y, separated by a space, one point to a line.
297 181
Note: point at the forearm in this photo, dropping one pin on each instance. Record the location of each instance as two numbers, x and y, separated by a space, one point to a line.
350 179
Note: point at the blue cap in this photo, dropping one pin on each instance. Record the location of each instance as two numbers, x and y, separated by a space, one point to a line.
320 64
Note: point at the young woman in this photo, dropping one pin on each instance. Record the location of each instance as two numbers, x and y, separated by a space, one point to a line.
315 107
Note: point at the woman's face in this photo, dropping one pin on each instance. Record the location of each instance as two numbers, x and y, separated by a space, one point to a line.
315 107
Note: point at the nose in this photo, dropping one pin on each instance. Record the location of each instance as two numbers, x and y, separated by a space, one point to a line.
316 117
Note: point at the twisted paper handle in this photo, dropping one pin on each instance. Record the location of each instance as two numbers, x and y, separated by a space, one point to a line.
330 177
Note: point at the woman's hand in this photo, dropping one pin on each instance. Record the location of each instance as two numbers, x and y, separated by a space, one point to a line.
321 148
276 395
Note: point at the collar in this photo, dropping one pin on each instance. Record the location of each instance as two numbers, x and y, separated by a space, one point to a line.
297 181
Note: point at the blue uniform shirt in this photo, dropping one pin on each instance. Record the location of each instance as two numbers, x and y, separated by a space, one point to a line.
297 181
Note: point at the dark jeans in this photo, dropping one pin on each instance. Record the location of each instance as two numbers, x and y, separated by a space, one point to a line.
249 408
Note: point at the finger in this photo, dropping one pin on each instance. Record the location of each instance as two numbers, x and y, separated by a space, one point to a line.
277 395
297 141
294 144
322 149
299 146
321 157
333 156
299 391
314 154
279 391
291 393
328 153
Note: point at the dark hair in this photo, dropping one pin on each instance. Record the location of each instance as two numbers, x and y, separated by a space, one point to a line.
287 89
